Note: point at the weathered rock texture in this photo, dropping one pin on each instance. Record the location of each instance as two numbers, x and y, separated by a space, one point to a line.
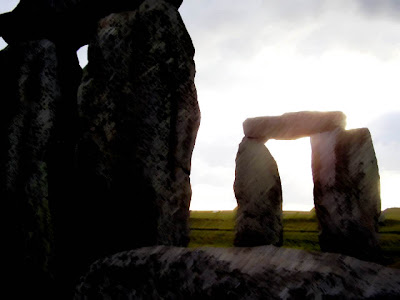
347 192
259 196
294 125
69 22
139 113
263 272
35 115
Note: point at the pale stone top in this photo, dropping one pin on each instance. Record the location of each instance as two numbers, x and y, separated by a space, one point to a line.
294 125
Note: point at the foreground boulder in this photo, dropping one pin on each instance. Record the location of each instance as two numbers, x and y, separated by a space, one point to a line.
264 272
258 193
294 125
347 192
139 115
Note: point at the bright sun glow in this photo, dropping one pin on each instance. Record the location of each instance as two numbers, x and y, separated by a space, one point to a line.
294 164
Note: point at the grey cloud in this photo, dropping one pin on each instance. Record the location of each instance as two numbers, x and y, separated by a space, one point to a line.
239 30
386 129
377 8
217 152
380 39
385 133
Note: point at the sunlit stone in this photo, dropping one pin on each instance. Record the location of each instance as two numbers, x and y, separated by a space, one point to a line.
259 195
293 125
347 192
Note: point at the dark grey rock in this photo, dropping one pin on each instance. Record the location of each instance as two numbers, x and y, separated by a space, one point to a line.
66 22
36 117
259 196
294 125
347 192
265 272
139 116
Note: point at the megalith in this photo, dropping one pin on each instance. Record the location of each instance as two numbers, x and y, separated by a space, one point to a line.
347 192
257 184
259 196
139 118
38 81
345 174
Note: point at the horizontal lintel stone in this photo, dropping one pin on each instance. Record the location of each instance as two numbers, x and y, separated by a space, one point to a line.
294 125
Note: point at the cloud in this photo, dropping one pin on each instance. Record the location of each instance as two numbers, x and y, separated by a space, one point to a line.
379 8
210 197
83 56
8 5
385 132
386 128
232 29
3 44
259 58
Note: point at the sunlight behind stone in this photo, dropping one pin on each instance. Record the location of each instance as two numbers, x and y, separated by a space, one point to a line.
294 164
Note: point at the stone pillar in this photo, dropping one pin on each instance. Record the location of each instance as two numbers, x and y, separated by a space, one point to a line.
139 116
259 196
347 192
31 97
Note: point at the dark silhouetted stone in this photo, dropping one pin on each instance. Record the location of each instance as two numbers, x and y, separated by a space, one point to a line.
140 116
292 126
259 196
68 22
347 192
264 272
38 84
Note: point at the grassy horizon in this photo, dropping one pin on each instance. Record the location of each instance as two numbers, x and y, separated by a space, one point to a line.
300 231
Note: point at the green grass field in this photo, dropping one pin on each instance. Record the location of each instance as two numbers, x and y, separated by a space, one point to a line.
300 230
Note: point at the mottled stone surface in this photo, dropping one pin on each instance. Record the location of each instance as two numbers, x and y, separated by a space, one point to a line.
294 125
139 116
347 192
37 81
265 272
259 196
69 22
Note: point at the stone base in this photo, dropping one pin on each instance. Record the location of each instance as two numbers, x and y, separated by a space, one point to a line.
265 272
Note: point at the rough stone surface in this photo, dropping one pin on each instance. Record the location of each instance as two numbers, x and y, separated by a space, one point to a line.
347 192
259 196
295 125
139 117
69 22
265 272
35 116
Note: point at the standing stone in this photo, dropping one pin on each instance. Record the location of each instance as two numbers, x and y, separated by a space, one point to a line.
347 192
259 196
139 116
32 83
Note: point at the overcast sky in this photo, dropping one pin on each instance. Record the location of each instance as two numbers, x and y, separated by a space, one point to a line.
268 57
